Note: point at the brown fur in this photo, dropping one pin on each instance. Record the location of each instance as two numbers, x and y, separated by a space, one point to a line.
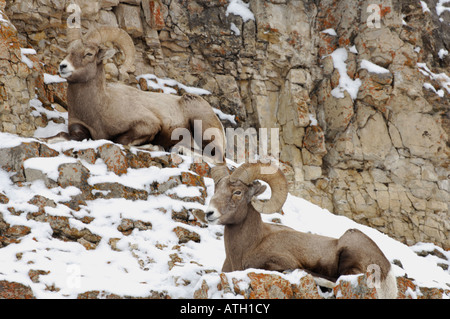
125 114
250 243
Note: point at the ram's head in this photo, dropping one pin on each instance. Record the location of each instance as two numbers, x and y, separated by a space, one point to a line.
235 192
86 53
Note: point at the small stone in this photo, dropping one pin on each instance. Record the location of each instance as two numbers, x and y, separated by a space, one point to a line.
141 225
41 202
269 287
34 274
73 174
114 159
350 289
185 235
126 226
4 199
18 231
14 290
87 244
174 259
113 243
202 292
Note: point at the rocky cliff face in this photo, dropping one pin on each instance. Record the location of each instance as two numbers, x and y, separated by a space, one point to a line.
360 93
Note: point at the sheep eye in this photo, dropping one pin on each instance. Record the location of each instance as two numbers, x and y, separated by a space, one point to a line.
88 54
237 193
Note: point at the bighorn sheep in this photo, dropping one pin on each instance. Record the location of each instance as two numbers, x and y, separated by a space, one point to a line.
250 243
125 114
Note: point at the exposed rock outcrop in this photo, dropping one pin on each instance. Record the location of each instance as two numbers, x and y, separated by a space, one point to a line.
64 203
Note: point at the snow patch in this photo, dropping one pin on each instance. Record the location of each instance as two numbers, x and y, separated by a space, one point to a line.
2 19
313 120
48 165
24 58
39 109
329 32
240 8
50 78
441 78
428 86
440 8
424 7
166 85
223 116
235 29
345 82
353 49
442 53
372 67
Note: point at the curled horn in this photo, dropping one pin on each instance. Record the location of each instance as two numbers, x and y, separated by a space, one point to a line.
247 173
218 172
73 34
118 36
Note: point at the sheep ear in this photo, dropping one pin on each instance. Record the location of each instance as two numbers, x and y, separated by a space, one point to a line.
105 54
258 188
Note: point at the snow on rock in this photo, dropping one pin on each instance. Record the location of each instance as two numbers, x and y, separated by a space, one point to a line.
429 86
312 119
150 82
442 79
442 53
167 85
23 54
424 6
331 32
353 49
240 8
345 82
94 219
372 67
441 7
5 21
50 78
76 237
223 116
235 29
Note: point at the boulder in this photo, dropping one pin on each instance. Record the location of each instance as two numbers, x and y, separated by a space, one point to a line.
185 235
374 138
114 158
14 290
422 134
128 17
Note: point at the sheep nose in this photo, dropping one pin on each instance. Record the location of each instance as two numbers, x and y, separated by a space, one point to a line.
62 66
209 214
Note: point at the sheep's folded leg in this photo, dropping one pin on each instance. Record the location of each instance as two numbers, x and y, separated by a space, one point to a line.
60 137
77 132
